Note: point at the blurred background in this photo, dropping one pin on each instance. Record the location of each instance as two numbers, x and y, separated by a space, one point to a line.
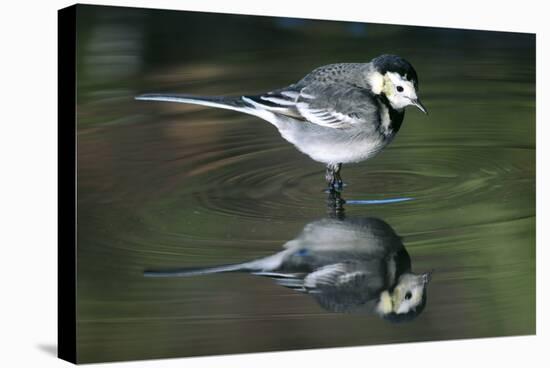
170 185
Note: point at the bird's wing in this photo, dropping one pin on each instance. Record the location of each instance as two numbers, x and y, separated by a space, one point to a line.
336 105
281 101
343 287
344 275
291 280
339 287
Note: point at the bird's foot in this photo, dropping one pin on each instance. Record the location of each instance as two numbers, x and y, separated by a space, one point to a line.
337 185
335 204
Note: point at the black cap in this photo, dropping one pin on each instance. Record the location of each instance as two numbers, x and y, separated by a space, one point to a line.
396 64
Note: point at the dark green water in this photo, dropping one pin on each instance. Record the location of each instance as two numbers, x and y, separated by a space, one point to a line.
169 185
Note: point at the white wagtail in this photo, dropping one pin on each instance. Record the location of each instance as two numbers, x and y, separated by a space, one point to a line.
338 113
347 265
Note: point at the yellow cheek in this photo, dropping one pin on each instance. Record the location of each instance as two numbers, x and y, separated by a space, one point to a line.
376 80
388 87
385 305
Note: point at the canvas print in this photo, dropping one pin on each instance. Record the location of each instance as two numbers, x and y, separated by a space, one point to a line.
254 183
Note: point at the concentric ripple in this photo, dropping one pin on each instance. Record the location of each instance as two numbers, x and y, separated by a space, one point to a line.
199 166
281 183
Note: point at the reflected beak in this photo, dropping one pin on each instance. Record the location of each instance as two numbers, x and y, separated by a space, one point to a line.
418 104
427 277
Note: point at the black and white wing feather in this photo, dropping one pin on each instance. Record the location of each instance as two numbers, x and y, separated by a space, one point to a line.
282 101
343 287
338 106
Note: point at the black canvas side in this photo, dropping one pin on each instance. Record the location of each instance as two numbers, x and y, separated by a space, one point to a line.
66 190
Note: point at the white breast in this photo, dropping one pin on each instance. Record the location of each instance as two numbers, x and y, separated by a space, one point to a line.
355 150
337 146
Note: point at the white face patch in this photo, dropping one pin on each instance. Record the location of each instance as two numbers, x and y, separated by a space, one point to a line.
407 295
405 305
399 91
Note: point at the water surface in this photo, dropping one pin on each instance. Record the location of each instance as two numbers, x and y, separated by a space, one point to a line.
169 185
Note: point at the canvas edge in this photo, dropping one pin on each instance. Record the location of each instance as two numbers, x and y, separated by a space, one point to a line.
66 175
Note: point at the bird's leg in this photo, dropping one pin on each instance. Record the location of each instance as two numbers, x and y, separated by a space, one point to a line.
335 205
329 176
333 178
339 182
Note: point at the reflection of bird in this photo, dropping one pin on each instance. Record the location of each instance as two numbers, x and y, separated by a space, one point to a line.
338 113
348 265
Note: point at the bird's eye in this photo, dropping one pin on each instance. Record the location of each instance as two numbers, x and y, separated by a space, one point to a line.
408 295
399 89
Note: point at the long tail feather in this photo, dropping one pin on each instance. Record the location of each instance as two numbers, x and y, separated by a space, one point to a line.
196 271
230 103
263 266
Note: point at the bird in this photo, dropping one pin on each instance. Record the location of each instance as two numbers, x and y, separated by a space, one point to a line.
349 265
337 114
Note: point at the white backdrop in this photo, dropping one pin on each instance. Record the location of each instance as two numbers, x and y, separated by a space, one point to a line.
28 181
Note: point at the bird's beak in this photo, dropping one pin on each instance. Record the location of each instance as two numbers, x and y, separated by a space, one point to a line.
418 104
427 277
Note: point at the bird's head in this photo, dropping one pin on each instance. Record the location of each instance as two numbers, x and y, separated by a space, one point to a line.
407 299
396 79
